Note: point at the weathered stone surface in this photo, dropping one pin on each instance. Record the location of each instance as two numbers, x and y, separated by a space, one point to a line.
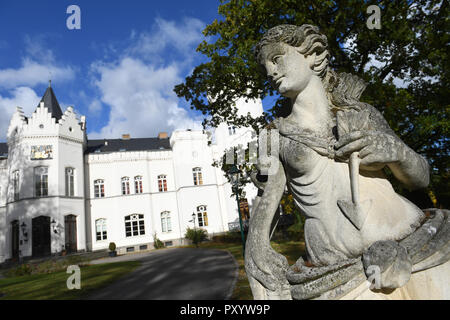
349 279
308 283
430 284
332 149
393 262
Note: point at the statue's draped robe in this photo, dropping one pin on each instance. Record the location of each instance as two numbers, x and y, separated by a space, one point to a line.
317 181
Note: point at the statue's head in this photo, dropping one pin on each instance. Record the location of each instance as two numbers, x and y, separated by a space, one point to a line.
288 51
291 55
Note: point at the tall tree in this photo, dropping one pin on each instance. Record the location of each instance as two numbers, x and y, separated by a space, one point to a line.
405 64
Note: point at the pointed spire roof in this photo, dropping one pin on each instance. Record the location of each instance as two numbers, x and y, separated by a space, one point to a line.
51 103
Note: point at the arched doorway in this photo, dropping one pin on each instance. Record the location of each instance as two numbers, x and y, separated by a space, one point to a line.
41 242
70 225
15 239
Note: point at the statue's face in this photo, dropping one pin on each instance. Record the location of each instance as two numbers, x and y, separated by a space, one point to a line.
288 70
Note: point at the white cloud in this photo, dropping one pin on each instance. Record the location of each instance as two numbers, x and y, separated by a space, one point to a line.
95 107
19 97
37 48
138 86
32 73
141 99
38 66
182 37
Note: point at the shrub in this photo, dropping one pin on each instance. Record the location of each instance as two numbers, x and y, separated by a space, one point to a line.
112 246
45 267
196 235
22 270
158 244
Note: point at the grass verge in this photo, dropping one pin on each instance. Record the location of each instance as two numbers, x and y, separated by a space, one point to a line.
292 250
53 286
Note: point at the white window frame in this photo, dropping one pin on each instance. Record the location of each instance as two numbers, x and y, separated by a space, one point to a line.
134 225
99 188
198 176
70 181
40 181
125 181
162 183
202 216
138 186
101 230
166 221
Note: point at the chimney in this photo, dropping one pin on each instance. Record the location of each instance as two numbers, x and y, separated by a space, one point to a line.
162 135
126 136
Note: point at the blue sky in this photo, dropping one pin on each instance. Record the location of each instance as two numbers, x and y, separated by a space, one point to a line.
119 70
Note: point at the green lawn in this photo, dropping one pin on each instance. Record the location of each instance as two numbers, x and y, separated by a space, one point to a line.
291 249
53 286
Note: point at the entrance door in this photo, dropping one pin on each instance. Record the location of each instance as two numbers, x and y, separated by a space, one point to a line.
41 236
70 223
15 239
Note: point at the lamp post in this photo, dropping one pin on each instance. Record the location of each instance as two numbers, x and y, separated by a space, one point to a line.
24 231
193 218
234 175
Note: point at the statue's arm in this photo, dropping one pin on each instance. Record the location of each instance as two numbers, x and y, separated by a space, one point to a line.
411 169
381 146
261 261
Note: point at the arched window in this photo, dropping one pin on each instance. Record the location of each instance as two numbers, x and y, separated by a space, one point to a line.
231 130
197 173
70 182
125 185
166 224
162 183
134 225
41 181
138 184
99 188
202 216
100 229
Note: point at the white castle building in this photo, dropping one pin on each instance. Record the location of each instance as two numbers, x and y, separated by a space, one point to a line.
61 191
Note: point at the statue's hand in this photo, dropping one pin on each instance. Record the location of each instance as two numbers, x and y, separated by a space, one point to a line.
375 148
267 266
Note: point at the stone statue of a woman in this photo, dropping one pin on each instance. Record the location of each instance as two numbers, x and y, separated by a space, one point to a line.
332 149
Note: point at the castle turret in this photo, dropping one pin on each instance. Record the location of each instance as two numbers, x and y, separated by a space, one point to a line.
45 175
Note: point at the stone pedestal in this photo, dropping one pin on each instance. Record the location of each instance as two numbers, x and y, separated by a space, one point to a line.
430 284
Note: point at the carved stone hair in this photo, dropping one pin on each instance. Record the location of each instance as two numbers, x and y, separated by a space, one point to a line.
306 38
343 90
